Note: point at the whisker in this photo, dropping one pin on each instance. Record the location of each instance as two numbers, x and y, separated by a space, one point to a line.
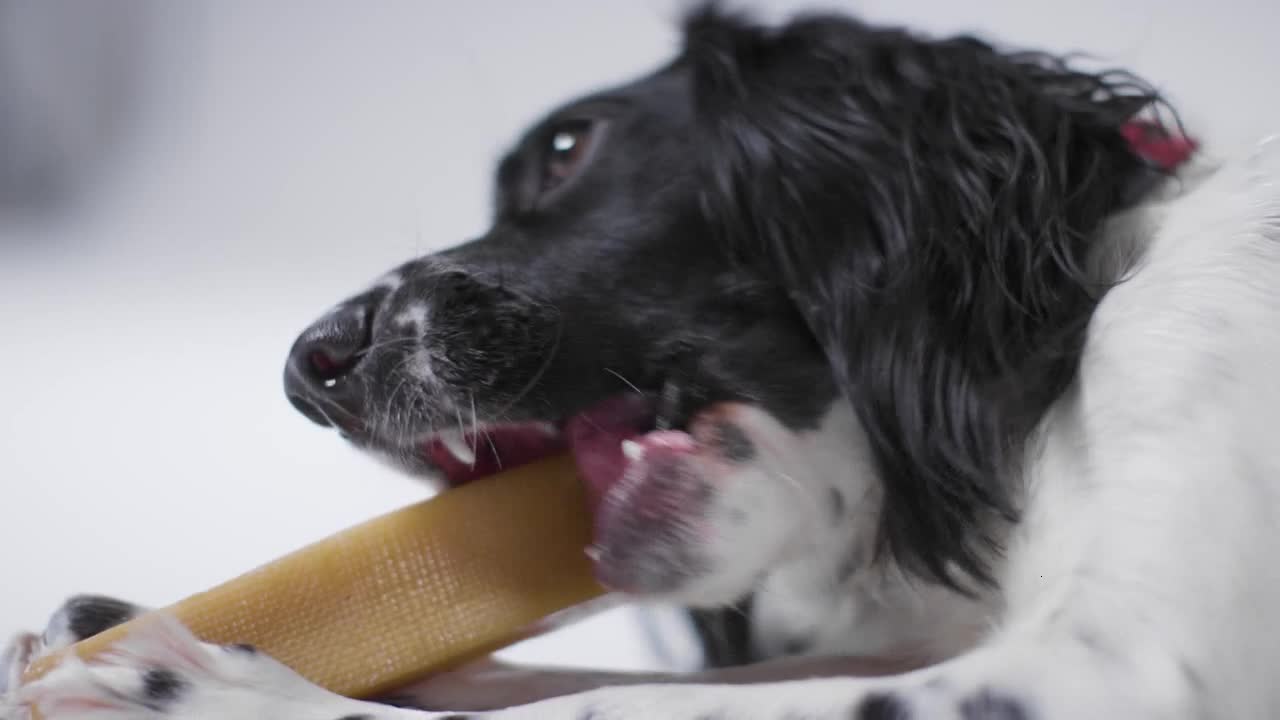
628 383
494 449
387 425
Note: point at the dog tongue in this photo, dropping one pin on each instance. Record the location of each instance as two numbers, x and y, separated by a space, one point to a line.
595 438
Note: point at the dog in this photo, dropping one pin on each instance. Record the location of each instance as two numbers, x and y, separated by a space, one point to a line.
867 346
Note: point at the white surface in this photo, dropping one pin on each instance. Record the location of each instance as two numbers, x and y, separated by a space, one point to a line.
283 154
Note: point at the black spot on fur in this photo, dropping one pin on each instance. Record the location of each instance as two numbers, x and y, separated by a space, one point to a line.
1092 641
988 705
88 615
357 717
725 634
882 706
835 501
400 701
734 443
795 646
161 685
1194 679
244 648
847 568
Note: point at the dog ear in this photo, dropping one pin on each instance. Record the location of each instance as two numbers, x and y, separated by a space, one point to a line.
930 207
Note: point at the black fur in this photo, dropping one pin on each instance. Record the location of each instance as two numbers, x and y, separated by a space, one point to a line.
928 206
725 635
881 706
88 615
162 686
987 705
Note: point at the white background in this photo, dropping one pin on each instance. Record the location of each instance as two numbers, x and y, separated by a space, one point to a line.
273 156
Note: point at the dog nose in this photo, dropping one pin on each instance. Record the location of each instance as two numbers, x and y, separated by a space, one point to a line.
317 378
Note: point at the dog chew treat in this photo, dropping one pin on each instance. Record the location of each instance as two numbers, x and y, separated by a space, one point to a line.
421 589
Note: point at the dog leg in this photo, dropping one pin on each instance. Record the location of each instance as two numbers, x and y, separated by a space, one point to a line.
492 685
164 672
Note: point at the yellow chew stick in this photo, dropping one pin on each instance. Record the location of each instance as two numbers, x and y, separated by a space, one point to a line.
418 590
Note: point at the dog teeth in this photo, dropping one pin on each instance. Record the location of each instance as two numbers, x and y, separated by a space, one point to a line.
632 450
593 553
457 445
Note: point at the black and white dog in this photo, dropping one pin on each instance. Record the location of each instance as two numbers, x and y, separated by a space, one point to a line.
901 348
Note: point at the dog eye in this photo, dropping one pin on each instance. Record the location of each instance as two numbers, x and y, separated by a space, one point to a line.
567 147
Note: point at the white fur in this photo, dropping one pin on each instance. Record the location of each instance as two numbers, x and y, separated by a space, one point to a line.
413 318
389 282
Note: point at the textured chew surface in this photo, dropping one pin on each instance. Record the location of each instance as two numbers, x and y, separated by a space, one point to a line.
438 583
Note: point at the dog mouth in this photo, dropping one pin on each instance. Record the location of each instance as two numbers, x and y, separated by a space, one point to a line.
601 439
462 457
615 444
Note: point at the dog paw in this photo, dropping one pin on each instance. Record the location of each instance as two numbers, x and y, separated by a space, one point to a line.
80 617
84 616
678 512
15 658
163 671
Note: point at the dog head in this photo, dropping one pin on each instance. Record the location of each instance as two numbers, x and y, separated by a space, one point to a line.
822 265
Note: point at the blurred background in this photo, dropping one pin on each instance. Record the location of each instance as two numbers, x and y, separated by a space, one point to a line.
185 185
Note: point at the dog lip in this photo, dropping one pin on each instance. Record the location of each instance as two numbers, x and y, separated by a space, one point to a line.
464 456
309 409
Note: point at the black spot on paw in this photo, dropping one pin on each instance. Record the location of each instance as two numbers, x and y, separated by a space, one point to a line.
88 615
882 706
161 686
989 705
